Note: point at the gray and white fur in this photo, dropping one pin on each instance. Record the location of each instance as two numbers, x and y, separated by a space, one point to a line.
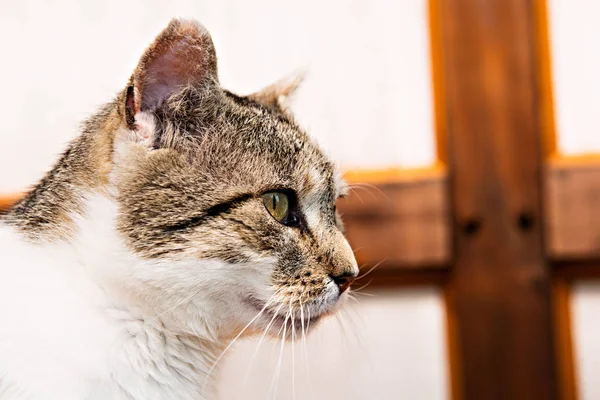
129 268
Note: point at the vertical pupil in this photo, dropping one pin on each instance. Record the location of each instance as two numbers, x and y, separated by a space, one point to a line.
274 201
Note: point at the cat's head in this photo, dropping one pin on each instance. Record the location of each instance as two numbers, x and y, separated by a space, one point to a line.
229 204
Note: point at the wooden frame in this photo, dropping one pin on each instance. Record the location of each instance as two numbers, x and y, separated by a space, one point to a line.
7 200
573 208
500 283
400 214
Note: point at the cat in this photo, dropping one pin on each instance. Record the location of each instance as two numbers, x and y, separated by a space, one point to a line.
183 217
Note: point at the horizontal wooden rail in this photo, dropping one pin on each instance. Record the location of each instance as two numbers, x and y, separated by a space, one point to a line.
6 201
399 218
404 217
573 208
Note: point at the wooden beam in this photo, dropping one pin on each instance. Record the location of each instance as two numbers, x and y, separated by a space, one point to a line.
401 221
573 208
576 270
499 284
6 201
401 277
403 214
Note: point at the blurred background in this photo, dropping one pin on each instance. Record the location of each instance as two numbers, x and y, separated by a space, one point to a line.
369 99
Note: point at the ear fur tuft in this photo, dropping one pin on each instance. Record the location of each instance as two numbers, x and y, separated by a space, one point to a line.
277 94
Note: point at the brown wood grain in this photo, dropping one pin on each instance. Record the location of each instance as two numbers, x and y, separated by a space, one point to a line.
402 223
573 208
576 270
399 278
499 284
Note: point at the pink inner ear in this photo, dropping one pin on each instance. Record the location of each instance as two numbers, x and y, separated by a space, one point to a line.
170 72
183 54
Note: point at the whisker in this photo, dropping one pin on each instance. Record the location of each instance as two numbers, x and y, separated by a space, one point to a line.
363 184
351 297
357 195
357 332
371 269
358 186
237 337
308 319
278 370
364 294
342 330
262 338
305 346
293 354
357 291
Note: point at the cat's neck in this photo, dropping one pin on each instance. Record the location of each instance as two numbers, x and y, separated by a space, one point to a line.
161 362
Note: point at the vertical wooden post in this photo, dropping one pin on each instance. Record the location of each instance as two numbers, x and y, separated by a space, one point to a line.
499 285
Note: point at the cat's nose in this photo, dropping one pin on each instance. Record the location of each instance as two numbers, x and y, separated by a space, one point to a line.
344 281
344 269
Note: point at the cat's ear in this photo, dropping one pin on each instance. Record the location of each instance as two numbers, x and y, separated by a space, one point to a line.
278 94
182 54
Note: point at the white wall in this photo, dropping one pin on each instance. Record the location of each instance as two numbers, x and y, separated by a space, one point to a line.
574 34
585 312
367 96
367 99
390 346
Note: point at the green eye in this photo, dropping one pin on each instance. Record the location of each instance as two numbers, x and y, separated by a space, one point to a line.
278 205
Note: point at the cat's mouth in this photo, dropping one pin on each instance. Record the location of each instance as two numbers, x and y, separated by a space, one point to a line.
278 318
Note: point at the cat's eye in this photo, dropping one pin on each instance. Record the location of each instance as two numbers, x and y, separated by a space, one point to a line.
278 205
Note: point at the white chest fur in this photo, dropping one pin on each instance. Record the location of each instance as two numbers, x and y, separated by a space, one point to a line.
64 336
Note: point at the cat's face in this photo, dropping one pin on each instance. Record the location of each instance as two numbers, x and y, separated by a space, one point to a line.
230 205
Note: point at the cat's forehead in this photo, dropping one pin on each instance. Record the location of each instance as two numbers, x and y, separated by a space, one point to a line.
297 157
240 143
248 141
